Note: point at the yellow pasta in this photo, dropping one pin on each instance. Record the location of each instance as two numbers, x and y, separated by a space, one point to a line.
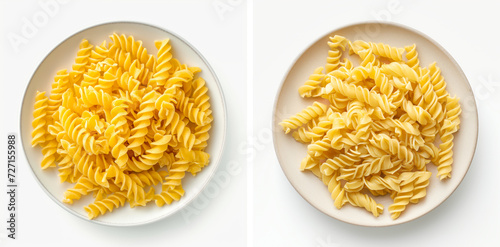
123 121
372 129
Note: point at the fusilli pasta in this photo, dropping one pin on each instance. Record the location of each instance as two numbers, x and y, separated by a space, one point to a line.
373 127
123 121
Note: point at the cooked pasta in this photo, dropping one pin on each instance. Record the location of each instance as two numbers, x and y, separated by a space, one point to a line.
123 121
372 129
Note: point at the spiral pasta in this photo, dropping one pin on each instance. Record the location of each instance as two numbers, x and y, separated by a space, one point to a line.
123 121
373 127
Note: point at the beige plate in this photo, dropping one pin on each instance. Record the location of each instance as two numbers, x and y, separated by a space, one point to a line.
62 57
288 102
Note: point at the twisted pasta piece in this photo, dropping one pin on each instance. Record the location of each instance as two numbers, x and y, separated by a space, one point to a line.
82 187
176 174
165 105
149 177
359 199
117 145
401 199
163 64
39 122
430 99
81 61
142 121
105 205
365 169
66 169
412 57
309 163
181 77
347 159
397 126
450 126
400 70
377 183
316 131
61 84
201 136
438 83
187 107
317 148
168 195
301 118
99 53
312 87
354 185
182 132
49 152
420 186
408 192
336 191
336 44
200 95
117 116
383 50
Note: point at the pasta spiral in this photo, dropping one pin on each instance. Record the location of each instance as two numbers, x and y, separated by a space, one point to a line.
303 117
450 126
39 123
337 44
107 204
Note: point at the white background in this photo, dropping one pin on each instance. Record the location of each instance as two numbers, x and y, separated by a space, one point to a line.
280 217
471 216
221 38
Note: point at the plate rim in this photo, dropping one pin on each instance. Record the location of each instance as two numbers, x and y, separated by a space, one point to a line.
215 163
350 25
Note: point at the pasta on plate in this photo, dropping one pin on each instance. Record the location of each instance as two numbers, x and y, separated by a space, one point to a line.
123 121
372 128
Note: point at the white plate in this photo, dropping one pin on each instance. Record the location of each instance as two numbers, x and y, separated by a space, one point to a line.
62 57
291 152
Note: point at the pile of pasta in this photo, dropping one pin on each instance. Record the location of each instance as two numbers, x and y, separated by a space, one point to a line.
123 121
372 130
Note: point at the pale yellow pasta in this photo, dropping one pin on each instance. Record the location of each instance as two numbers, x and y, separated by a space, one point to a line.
123 121
373 127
